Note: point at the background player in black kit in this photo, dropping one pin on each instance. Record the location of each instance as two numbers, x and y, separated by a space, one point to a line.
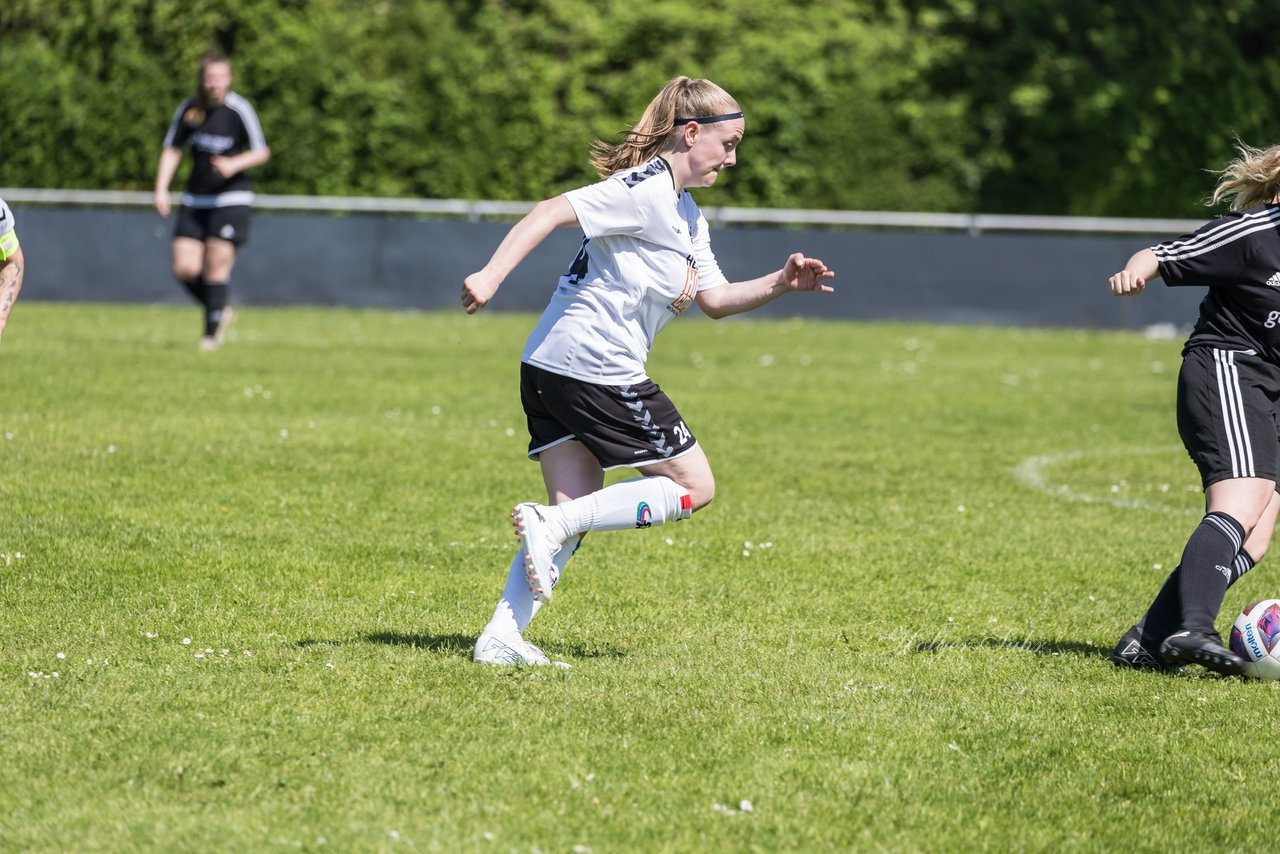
1228 390
226 140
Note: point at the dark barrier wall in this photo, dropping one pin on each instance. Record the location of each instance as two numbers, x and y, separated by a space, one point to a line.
106 255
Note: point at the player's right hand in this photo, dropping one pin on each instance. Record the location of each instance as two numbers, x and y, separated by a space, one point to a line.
1126 284
477 290
162 202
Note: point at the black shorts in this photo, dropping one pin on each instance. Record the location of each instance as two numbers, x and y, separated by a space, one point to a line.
622 426
1227 413
229 223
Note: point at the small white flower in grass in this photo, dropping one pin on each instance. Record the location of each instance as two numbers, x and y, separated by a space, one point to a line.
55 675
150 635
329 664
224 651
186 641
60 656
745 805
510 431
435 410
669 541
488 834
88 661
19 555
766 545
111 449
766 360
8 435
248 653
953 746
394 834
208 650
582 849
199 655
1157 566
959 508
284 434
746 553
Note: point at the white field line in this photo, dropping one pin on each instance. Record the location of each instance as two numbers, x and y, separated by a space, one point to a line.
1032 472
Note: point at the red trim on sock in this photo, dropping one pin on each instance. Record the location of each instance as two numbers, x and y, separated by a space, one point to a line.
686 502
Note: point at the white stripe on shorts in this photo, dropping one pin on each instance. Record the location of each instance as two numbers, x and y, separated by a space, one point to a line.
1233 416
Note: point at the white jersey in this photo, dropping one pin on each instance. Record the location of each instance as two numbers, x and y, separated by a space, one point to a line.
646 253
8 239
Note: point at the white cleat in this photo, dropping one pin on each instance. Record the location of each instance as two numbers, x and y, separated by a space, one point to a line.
540 548
511 650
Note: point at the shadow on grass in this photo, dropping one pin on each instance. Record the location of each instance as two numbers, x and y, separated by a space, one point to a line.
462 645
1084 650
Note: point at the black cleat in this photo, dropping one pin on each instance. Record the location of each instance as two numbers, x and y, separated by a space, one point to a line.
1135 651
1205 648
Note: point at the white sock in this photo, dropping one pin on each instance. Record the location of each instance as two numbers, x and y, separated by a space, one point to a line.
639 503
517 607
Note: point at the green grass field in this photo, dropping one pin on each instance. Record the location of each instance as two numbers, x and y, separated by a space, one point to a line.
258 574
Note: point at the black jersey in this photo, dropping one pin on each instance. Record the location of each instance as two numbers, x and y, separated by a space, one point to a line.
228 129
1237 257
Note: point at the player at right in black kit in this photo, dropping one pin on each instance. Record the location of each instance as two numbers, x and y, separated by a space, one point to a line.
213 220
1228 389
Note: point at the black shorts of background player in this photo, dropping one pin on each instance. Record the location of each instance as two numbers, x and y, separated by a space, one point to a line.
1228 388
644 259
226 140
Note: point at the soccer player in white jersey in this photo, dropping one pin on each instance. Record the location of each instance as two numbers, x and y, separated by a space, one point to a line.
213 219
645 258
1228 388
12 265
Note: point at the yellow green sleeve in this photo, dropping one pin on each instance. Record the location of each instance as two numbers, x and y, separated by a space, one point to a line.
8 245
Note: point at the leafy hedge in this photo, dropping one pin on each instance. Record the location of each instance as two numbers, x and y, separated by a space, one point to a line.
1089 107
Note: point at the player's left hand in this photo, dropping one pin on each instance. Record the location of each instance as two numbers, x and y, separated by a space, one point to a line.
224 166
806 274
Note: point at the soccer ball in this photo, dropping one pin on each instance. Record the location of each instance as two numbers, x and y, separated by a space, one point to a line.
1256 638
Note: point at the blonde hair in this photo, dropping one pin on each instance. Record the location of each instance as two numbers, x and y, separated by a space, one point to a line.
680 98
1251 179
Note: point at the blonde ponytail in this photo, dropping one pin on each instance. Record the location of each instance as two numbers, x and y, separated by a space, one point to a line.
680 98
1251 179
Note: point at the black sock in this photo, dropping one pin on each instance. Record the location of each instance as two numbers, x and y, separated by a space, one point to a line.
1243 563
215 302
1165 614
195 287
1208 569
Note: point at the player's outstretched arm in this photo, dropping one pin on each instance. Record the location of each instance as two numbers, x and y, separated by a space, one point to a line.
523 238
1133 278
798 274
10 283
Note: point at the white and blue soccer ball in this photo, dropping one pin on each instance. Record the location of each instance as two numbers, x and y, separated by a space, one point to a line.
1256 638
